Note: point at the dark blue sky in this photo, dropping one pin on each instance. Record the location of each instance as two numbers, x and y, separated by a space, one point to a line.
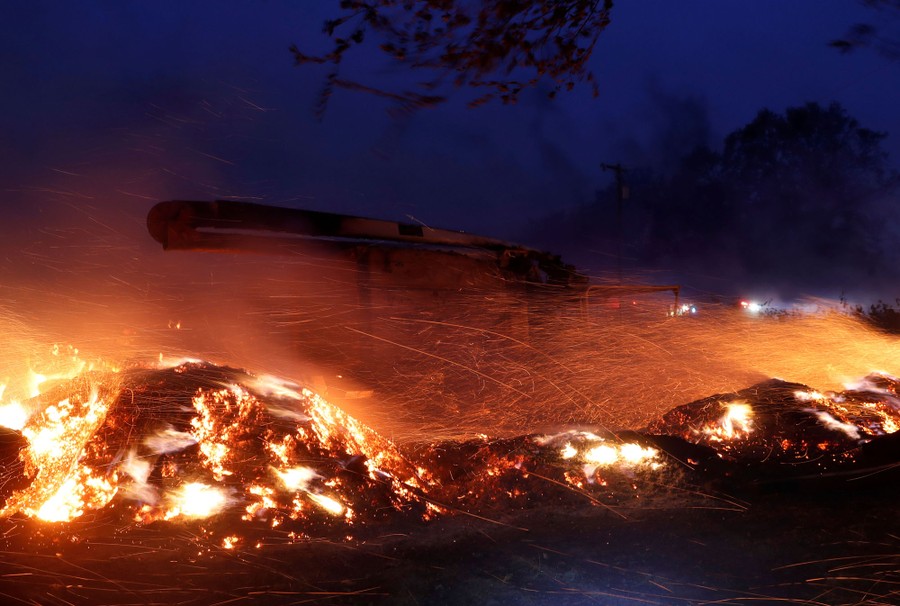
114 105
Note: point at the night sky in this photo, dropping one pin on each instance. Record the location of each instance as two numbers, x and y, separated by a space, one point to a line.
110 106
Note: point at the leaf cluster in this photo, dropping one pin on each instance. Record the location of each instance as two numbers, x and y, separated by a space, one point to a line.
497 47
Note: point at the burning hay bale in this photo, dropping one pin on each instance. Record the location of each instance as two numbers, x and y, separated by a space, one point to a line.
196 441
778 430
200 442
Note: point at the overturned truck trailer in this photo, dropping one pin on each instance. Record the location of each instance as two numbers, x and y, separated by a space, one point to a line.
417 255
396 284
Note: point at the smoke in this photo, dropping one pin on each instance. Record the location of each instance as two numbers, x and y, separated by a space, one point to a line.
675 124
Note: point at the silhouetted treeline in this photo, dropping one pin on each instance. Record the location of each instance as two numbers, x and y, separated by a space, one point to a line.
883 316
795 200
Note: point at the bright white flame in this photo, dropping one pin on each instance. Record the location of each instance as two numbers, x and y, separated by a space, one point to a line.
808 396
230 542
139 470
327 503
169 440
833 424
79 491
297 478
62 489
34 380
13 416
752 306
604 454
63 505
568 436
737 418
568 451
269 385
166 362
635 453
197 500
735 421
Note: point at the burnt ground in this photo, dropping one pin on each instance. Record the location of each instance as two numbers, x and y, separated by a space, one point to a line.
838 544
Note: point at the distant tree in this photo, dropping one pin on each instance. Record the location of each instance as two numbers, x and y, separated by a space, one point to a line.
497 48
881 315
812 176
807 145
799 198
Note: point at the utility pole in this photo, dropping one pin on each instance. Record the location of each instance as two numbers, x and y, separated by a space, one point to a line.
621 194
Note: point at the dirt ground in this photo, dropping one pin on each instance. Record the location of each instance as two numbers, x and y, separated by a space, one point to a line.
837 545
